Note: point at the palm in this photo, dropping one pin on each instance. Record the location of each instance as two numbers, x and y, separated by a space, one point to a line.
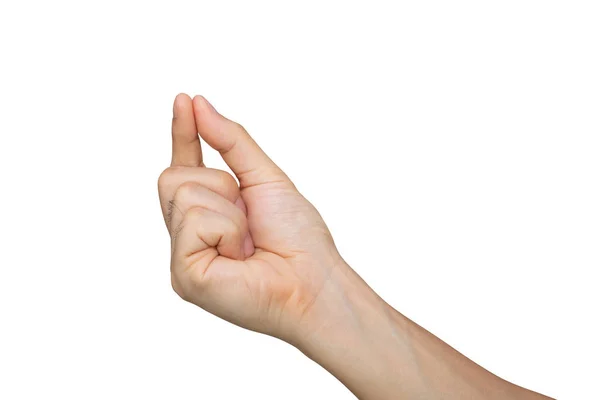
281 277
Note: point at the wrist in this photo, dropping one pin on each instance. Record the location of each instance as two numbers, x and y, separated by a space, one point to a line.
362 340
347 308
350 324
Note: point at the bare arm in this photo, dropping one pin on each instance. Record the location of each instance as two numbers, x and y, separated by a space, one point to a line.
255 252
380 354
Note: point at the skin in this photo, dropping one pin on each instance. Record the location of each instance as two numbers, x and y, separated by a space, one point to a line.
259 255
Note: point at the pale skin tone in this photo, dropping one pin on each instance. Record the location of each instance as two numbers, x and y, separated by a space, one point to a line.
255 252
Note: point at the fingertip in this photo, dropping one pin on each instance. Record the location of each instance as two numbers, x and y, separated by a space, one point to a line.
202 105
198 99
209 124
182 102
248 246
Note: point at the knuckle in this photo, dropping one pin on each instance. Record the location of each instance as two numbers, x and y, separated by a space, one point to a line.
232 229
238 127
168 177
228 184
164 178
193 214
225 178
185 190
232 233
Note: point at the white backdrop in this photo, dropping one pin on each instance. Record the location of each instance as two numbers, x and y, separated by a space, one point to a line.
452 147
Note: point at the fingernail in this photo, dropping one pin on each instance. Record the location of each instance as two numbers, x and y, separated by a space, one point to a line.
177 103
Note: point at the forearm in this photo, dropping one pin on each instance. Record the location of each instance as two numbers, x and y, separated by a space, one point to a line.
379 354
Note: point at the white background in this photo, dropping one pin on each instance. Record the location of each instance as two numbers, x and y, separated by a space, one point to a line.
452 147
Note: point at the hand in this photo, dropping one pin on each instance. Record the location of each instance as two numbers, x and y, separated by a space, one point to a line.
259 254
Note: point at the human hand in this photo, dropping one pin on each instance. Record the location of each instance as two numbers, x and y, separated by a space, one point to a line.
259 254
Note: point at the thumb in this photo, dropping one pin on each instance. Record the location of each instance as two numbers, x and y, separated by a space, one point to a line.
241 153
